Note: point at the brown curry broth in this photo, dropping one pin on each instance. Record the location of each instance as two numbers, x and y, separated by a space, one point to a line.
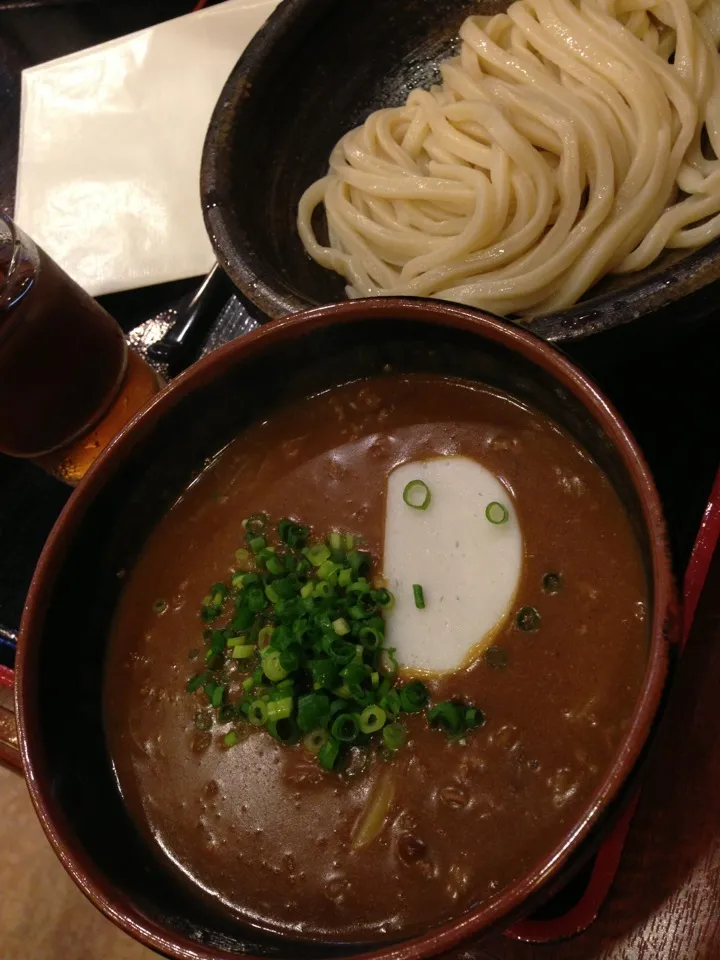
260 827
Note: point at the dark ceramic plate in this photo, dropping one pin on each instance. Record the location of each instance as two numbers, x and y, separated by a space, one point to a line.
316 70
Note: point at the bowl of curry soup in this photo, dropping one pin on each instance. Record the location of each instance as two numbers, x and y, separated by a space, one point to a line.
350 643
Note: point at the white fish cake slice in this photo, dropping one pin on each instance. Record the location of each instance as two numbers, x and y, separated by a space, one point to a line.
468 567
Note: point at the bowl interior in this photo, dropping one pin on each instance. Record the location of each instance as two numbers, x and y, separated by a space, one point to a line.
315 71
61 684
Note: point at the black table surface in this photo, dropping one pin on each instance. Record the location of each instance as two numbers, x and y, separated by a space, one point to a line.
662 372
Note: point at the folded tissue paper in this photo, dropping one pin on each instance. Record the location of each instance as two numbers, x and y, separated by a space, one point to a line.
110 146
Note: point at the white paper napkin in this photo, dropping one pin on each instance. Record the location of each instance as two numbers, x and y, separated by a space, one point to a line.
110 147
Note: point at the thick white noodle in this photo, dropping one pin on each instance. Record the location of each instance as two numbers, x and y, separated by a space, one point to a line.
562 145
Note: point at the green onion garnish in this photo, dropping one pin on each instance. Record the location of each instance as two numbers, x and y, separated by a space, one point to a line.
280 709
194 683
414 696
455 719
315 741
496 512
318 553
419 596
294 642
243 651
226 713
160 606
257 713
447 717
552 583
345 728
372 719
417 495
328 754
394 736
285 729
527 619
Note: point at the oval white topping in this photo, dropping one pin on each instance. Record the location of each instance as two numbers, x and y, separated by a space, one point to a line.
468 568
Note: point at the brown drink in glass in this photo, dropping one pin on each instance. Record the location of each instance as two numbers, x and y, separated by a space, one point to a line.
68 381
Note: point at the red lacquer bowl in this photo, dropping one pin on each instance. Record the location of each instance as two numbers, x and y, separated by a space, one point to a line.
108 517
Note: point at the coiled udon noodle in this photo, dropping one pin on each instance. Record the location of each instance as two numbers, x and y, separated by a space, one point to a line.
569 139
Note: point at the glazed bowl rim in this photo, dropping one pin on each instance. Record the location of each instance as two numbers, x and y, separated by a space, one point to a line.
117 905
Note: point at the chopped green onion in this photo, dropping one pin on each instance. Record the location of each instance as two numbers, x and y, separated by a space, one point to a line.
359 562
272 668
474 718
257 713
293 534
194 683
527 619
552 583
315 740
371 638
345 728
243 651
391 703
279 709
275 565
384 598
325 673
285 729
318 553
417 495
328 754
230 738
414 696
497 512
394 736
328 571
372 719
271 593
265 637
160 606
226 713
314 613
313 711
387 664
447 717
340 650
419 596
